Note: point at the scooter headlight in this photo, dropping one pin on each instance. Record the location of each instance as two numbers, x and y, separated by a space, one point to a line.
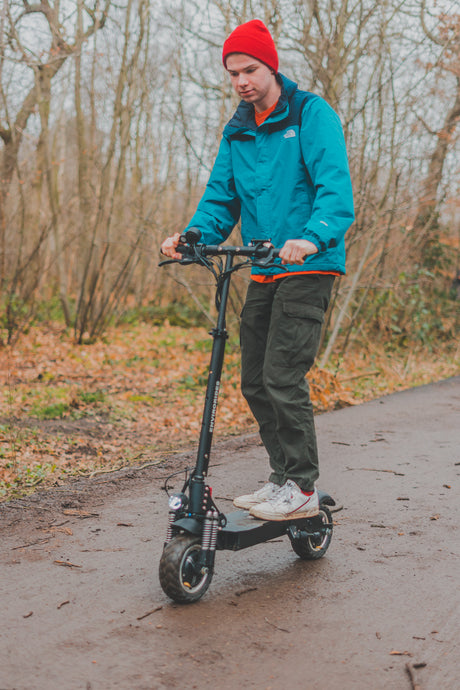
177 501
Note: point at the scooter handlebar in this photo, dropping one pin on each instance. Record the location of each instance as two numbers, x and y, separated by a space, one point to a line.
258 251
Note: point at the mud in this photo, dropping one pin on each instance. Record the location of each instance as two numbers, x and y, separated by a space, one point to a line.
81 605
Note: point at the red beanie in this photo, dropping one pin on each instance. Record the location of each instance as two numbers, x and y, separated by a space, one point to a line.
254 39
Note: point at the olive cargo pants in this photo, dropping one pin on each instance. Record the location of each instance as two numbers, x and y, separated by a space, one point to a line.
280 334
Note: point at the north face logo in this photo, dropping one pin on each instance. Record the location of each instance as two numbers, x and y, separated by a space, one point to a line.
289 134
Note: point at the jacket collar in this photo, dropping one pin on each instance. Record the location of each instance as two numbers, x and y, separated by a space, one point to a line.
243 117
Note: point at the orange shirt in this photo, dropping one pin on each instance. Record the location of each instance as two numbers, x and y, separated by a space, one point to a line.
261 117
261 278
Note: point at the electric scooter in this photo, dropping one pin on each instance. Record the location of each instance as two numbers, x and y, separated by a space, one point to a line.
196 526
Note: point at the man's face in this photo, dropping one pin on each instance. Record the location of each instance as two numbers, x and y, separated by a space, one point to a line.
252 80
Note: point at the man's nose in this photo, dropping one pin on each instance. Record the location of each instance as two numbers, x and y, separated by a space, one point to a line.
242 79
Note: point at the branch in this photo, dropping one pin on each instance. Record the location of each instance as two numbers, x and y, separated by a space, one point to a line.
30 9
97 23
427 127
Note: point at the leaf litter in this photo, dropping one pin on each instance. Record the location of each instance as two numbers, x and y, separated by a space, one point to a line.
137 396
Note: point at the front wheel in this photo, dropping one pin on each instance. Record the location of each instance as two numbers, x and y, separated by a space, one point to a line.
310 548
180 577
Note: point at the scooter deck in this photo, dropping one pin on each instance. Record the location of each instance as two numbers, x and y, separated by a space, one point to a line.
242 530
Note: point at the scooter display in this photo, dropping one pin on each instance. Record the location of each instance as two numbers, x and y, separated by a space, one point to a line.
196 527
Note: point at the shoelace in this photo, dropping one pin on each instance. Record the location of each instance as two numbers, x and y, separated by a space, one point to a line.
285 493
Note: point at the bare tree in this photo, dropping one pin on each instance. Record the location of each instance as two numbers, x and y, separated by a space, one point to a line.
426 222
110 119
41 63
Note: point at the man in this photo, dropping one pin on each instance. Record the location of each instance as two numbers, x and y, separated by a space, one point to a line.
282 167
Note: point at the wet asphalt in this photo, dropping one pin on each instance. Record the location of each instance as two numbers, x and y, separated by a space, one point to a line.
82 607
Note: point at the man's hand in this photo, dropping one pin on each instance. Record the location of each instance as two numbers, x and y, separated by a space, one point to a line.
168 248
295 251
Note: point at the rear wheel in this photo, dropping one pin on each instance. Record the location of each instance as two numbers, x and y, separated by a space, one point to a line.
180 577
310 548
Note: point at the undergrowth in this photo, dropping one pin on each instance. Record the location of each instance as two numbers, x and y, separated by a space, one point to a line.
137 395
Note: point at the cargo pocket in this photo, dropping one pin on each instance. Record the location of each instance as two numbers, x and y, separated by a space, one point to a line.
304 311
298 335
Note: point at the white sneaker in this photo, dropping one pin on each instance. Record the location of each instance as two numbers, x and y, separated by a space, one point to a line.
266 493
290 502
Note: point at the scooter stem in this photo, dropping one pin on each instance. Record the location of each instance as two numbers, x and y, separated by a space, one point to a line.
219 335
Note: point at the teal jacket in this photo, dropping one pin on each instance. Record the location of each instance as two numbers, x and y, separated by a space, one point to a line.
286 179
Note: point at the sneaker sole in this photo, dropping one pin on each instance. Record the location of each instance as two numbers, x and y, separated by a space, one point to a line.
279 517
247 505
244 505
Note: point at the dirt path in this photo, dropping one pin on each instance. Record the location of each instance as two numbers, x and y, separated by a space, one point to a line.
81 606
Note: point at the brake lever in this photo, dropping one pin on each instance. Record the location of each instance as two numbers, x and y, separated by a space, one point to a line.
189 256
267 261
272 265
183 262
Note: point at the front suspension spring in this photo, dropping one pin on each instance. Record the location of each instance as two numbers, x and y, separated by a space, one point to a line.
214 531
207 531
169 531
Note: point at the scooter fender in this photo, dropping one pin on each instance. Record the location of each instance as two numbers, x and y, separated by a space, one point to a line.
325 499
189 524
